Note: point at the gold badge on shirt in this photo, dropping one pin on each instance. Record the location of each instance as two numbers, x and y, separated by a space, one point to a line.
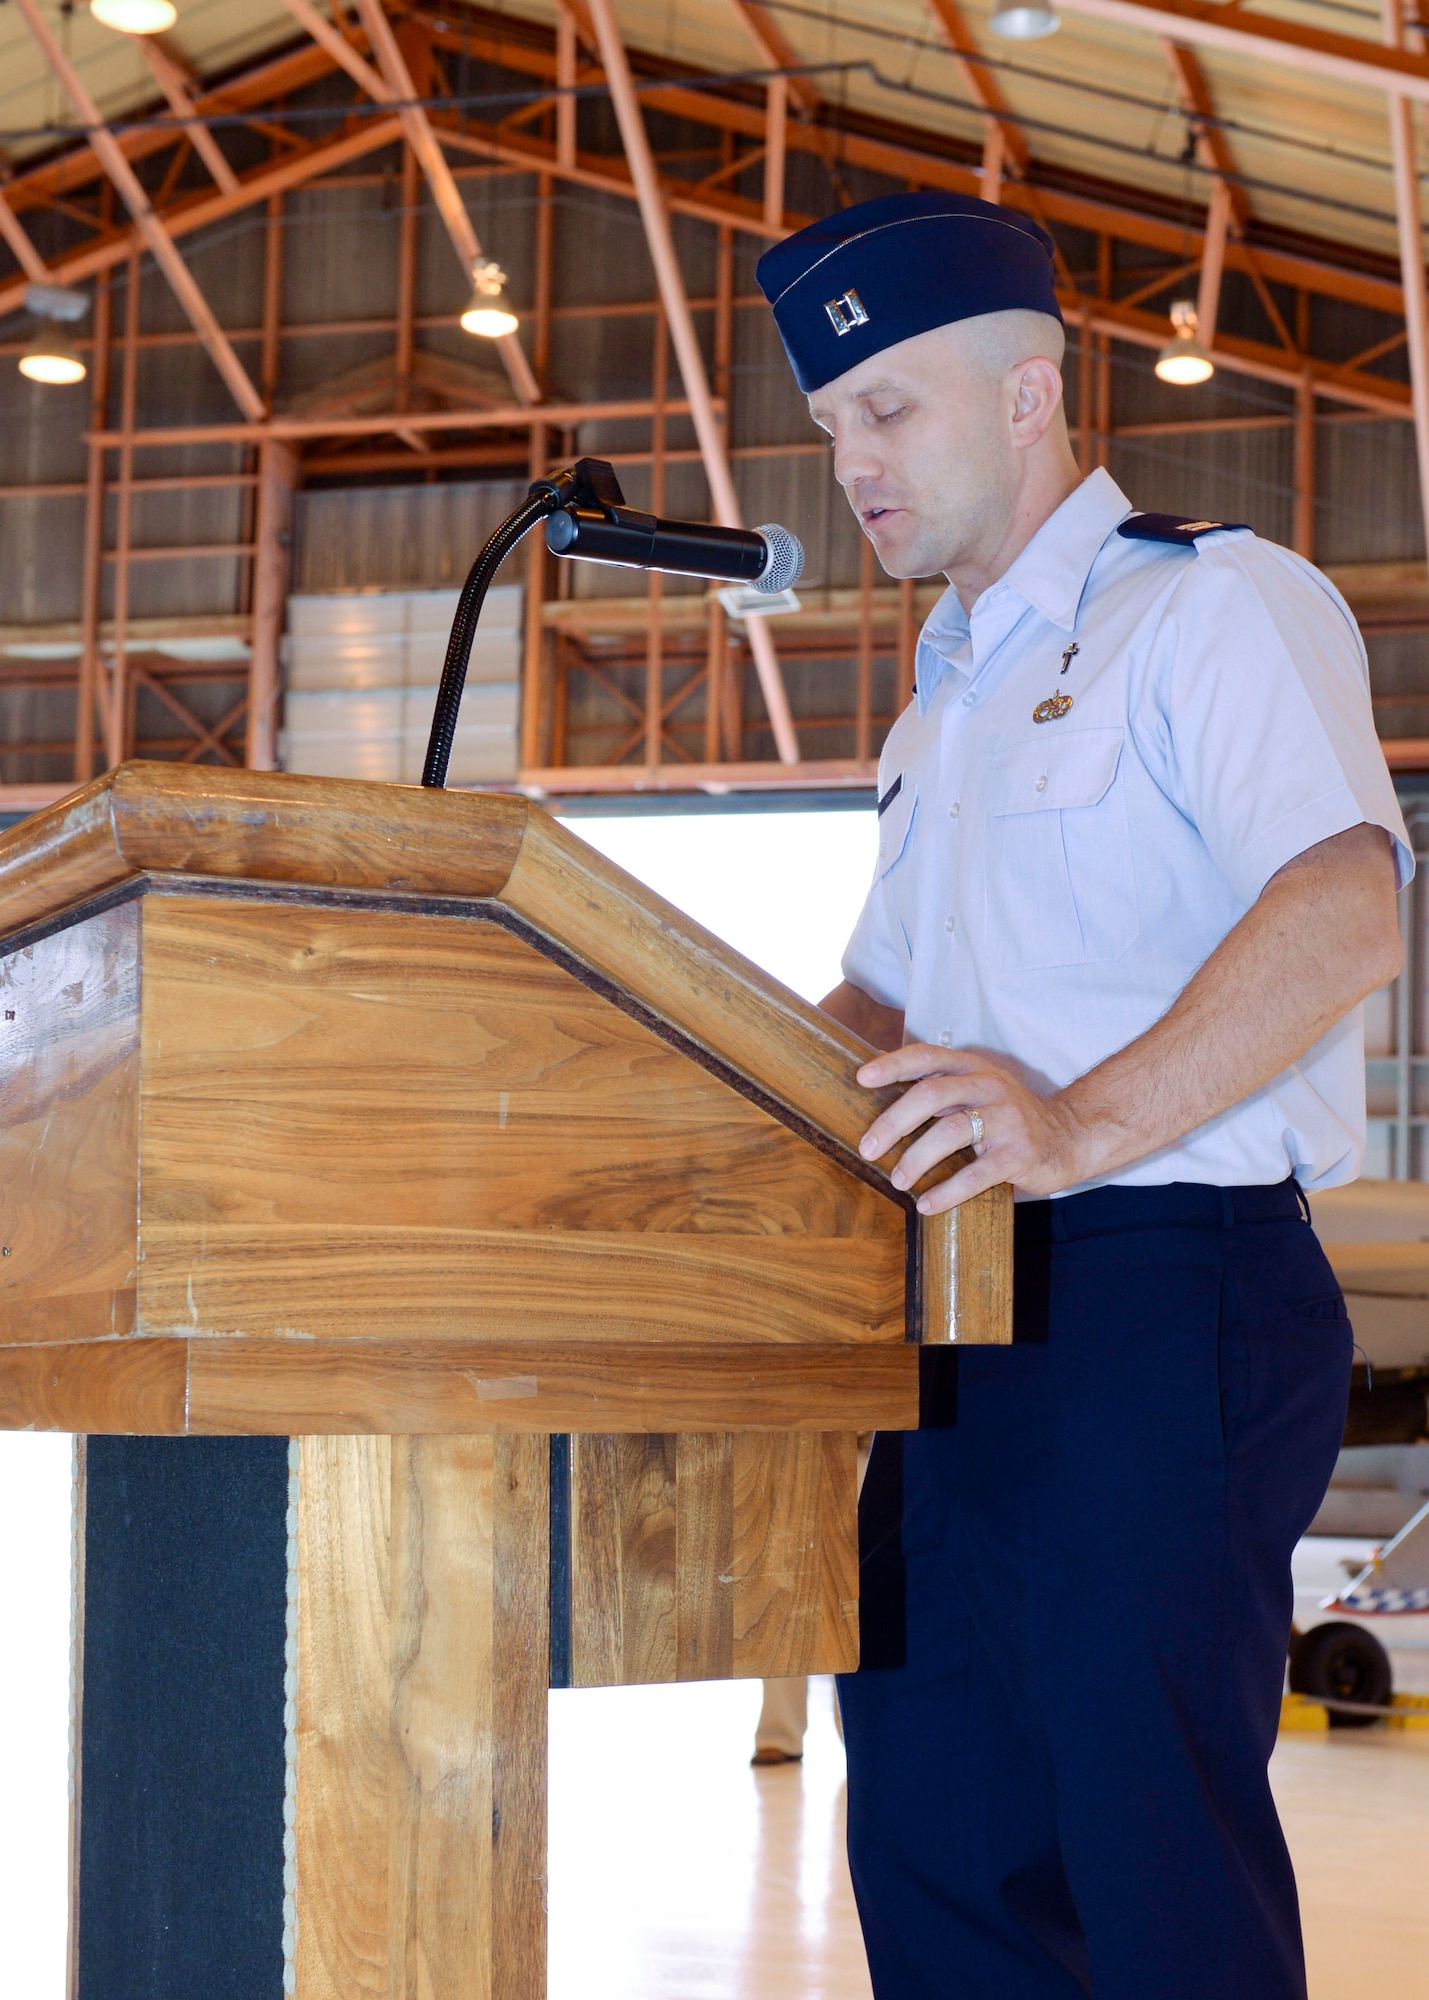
1052 709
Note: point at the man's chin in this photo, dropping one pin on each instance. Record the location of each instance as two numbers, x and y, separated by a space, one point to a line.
893 549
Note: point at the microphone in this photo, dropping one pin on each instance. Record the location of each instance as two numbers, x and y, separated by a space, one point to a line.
767 559
594 522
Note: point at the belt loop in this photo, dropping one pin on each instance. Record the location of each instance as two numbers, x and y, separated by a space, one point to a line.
1227 1208
1058 1218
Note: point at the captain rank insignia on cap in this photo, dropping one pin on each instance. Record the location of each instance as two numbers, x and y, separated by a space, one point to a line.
846 312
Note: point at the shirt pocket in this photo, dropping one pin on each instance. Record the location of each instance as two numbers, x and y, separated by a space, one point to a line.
1060 882
893 873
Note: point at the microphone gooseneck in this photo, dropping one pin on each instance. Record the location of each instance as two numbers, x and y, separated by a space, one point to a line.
586 515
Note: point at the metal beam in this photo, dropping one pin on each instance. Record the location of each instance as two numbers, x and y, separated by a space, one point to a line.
1211 142
155 236
777 50
1210 24
394 86
1213 260
708 429
194 212
515 416
979 81
277 482
1411 257
994 154
174 82
910 161
18 237
776 110
566 85
341 50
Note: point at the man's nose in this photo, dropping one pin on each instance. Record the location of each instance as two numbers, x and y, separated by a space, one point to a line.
853 461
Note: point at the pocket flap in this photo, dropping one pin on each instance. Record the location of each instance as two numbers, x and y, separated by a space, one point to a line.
1075 769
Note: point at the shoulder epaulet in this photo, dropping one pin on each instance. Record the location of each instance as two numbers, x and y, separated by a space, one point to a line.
1173 528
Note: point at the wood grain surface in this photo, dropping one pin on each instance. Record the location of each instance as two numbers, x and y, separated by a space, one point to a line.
257 826
283 1388
420 1840
701 1556
297 1386
125 1387
375 1124
165 824
69 1075
965 1263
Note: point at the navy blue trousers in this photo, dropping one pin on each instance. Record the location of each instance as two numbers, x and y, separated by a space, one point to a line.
1077 1600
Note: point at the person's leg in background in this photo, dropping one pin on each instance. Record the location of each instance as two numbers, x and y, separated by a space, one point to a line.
783 1720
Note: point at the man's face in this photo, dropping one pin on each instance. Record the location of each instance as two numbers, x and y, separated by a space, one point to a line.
923 448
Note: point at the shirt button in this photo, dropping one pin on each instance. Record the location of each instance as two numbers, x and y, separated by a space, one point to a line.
946 1038
947 923
1042 782
969 700
953 810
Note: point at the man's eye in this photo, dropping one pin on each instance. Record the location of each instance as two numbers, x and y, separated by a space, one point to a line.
887 416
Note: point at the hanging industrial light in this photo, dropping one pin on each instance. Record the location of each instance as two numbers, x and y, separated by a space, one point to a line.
490 311
1183 360
135 17
1027 22
52 356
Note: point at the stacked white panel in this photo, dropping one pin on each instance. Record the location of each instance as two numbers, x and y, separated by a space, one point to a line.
362 677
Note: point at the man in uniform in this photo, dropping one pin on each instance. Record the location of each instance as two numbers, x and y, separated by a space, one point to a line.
1138 858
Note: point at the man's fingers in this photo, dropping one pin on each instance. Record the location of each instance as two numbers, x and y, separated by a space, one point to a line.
943 1138
914 1060
929 1098
973 1179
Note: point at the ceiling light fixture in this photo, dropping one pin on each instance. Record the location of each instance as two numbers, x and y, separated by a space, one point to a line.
135 17
1027 22
52 357
1183 360
489 313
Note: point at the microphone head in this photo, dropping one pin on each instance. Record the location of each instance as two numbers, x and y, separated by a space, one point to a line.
786 559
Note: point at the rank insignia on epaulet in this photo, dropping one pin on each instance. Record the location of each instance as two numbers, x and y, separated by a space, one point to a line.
1174 528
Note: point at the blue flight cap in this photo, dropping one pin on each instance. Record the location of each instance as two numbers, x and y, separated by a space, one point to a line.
870 276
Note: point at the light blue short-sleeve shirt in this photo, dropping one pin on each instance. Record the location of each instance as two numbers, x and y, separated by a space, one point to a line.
1046 888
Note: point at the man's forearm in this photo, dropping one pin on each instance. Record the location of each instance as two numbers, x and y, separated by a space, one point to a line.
1308 951
1323 934
879 1025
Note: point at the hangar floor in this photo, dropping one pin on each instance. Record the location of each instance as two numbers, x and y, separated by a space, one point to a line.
678 1873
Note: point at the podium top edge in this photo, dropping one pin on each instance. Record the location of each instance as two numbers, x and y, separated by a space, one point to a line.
289 831
262 826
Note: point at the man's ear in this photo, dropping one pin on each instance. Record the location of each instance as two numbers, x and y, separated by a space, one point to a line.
1036 398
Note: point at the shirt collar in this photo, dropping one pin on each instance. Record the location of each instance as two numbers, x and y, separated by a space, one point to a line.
1052 571
1050 575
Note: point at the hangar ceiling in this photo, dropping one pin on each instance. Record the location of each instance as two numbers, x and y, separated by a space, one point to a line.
1262 159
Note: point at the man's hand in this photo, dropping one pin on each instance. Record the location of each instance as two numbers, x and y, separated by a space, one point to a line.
1322 935
1028 1140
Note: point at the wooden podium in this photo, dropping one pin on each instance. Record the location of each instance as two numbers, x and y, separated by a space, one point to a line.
463 1275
